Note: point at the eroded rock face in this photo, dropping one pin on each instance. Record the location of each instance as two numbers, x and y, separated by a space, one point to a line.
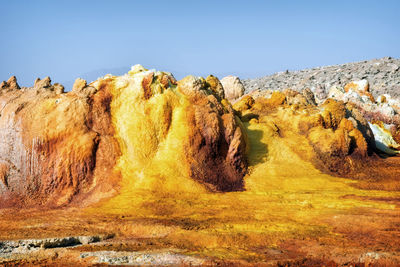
167 129
143 127
49 151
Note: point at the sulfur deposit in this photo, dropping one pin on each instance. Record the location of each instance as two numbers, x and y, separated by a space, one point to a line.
144 169
134 128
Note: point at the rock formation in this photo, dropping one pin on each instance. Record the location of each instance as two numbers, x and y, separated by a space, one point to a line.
193 172
57 147
344 130
233 87
135 129
51 149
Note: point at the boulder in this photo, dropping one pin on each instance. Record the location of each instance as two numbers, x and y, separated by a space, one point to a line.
383 138
309 96
361 87
191 84
358 86
233 87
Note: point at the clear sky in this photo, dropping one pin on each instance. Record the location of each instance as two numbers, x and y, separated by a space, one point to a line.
70 39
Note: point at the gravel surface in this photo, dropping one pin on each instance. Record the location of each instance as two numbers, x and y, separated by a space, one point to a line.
383 75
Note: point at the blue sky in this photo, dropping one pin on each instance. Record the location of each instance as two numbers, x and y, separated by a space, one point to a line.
70 39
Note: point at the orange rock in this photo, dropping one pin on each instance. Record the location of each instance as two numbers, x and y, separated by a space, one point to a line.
146 83
358 86
54 149
4 168
10 85
79 84
361 87
46 82
346 125
359 144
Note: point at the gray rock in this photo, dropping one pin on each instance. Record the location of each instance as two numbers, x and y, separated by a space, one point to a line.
382 74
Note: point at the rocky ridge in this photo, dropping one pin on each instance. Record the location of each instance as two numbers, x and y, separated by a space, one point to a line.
382 74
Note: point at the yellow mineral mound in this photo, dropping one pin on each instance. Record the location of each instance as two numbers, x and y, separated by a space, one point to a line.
338 141
170 132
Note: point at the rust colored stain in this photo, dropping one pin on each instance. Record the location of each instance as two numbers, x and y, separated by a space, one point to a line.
146 85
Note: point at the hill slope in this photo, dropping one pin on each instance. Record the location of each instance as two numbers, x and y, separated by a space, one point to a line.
383 75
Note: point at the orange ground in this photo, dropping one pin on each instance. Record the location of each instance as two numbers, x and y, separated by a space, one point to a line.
290 214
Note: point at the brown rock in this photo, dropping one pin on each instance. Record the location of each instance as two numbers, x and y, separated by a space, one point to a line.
218 149
45 83
81 88
12 83
3 85
52 150
79 85
58 88
309 95
4 168
146 83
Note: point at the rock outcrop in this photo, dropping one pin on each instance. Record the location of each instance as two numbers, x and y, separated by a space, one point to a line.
140 168
211 146
340 139
60 147
50 151
337 82
146 131
9 85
